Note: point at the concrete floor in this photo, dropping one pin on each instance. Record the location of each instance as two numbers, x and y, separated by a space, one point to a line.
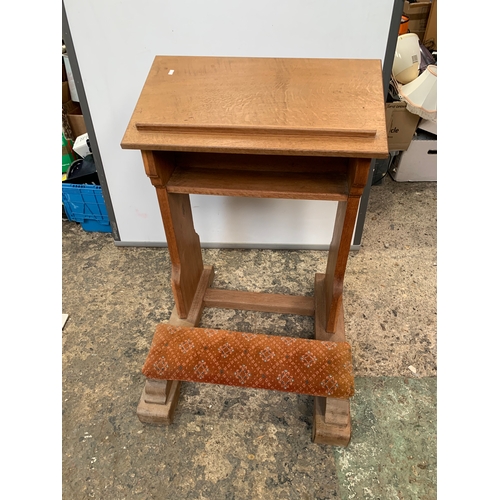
228 443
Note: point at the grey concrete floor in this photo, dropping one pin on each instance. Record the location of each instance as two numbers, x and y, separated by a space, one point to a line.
228 443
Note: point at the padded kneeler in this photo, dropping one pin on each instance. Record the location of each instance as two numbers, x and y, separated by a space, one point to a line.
225 357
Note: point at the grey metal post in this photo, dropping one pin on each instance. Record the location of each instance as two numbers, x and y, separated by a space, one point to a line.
88 122
392 39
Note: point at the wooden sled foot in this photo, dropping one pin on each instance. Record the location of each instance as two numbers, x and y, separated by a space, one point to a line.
159 397
331 421
158 402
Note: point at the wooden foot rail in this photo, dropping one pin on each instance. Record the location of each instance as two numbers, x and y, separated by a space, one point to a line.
331 420
264 302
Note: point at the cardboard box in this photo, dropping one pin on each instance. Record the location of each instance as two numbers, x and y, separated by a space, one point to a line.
77 124
75 118
430 35
419 162
65 92
418 13
401 125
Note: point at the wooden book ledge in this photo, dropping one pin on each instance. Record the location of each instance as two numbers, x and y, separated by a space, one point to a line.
287 364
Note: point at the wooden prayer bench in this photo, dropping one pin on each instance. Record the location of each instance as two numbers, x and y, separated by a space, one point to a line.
283 128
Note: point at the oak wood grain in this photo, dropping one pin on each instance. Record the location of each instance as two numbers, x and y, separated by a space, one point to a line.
269 131
327 433
337 412
258 184
183 242
264 302
261 163
159 414
155 391
320 332
177 321
331 416
358 171
338 254
183 246
158 166
197 306
285 106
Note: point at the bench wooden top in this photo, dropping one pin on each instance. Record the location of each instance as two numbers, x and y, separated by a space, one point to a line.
317 107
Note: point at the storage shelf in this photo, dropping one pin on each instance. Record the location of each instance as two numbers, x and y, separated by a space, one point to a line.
331 186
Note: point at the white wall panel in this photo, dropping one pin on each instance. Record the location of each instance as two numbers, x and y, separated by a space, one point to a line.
115 42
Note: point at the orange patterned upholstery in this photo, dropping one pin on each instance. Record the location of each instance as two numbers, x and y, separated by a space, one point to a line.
250 360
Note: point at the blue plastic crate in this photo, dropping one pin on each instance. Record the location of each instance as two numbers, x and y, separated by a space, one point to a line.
84 203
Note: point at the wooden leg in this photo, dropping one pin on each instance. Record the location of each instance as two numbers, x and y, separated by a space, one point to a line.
159 398
337 260
343 230
183 246
183 242
197 305
332 417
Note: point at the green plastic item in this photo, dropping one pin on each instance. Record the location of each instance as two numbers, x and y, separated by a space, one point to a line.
67 157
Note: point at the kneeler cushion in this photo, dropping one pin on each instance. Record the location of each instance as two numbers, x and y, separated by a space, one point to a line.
251 360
